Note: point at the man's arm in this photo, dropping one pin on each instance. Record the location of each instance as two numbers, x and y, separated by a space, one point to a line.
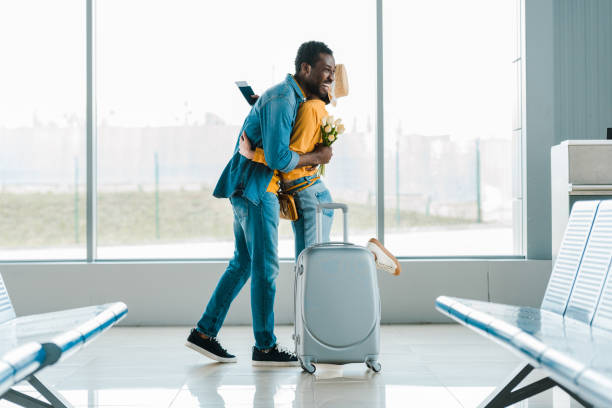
304 135
276 117
320 155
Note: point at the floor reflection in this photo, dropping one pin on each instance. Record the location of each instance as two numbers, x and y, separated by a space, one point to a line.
331 386
284 388
422 366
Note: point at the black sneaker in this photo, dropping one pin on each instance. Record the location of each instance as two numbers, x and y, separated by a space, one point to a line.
209 347
274 357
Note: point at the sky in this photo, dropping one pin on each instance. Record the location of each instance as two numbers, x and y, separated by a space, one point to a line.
447 63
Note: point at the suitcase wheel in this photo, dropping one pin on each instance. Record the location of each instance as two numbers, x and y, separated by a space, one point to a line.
308 367
374 366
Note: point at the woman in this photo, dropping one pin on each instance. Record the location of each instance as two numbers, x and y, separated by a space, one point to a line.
305 185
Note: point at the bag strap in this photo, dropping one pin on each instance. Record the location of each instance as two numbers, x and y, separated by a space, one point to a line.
302 186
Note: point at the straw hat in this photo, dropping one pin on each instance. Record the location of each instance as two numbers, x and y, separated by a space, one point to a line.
340 86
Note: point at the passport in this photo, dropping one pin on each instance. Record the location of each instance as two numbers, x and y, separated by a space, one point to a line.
247 91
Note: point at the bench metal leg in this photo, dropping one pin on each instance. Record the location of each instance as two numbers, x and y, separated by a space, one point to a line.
24 400
55 398
506 395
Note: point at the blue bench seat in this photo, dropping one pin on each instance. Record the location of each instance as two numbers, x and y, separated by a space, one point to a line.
31 343
567 346
63 332
19 363
570 335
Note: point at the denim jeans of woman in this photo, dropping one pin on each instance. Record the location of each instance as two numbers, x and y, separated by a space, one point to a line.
306 201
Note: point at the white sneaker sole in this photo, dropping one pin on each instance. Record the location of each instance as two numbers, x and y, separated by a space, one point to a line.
275 363
208 354
385 261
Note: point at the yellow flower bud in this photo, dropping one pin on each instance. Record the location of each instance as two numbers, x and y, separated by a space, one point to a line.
331 138
338 122
328 129
340 129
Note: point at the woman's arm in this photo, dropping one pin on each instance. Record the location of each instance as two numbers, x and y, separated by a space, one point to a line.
246 150
244 146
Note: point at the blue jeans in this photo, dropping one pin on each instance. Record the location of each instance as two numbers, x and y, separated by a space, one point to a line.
255 256
306 201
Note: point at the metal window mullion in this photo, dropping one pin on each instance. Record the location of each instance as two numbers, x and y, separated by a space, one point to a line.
91 132
380 145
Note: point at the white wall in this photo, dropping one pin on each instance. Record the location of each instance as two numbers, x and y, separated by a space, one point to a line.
175 294
568 95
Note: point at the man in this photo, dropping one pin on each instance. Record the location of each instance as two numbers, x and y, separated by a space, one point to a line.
251 188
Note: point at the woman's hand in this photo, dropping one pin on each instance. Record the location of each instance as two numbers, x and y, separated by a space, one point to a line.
244 147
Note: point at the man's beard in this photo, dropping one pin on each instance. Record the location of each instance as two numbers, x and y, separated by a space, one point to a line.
315 89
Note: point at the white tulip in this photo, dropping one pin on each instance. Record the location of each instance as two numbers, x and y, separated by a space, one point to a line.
328 129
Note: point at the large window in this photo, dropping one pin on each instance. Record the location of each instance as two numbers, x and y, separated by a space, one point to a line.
168 115
42 122
448 127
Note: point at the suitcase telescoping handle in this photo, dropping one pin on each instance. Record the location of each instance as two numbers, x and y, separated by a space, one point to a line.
331 206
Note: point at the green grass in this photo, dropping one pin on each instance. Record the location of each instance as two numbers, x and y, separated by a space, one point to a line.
40 219
48 219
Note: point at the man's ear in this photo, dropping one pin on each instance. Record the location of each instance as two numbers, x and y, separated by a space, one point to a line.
305 68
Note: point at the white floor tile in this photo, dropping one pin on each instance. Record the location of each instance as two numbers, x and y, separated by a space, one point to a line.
423 366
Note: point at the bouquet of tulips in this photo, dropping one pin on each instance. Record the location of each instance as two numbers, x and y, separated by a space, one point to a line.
330 130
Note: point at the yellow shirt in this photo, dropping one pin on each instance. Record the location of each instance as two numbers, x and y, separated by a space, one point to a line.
305 135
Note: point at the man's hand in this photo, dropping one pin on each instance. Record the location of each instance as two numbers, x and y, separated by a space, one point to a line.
244 147
320 155
324 153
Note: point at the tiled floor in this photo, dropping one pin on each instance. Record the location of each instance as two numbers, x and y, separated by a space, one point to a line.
423 366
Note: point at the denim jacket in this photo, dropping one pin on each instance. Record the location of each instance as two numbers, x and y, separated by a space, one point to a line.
268 125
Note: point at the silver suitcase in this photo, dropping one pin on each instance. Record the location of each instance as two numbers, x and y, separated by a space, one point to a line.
337 303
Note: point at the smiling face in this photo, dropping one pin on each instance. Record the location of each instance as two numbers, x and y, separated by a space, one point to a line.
318 79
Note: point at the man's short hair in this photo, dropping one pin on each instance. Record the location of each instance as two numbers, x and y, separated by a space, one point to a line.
309 53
